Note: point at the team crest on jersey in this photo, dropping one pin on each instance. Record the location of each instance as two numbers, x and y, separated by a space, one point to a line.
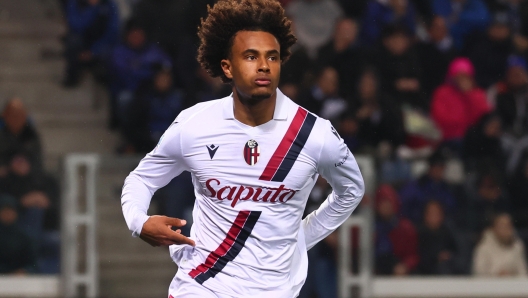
251 152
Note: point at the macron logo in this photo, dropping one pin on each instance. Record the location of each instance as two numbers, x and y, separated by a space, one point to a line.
212 150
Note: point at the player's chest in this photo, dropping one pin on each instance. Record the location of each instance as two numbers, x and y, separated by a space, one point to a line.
250 158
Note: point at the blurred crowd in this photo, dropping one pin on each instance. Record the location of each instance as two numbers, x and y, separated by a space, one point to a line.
436 91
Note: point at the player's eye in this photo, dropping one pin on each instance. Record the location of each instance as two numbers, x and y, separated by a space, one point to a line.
251 57
273 58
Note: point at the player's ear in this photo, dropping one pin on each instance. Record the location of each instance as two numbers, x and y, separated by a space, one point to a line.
226 67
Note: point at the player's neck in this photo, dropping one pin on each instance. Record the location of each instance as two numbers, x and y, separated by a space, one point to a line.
254 113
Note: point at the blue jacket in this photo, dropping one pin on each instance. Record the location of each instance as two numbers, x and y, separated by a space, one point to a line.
131 67
378 15
474 16
416 194
84 21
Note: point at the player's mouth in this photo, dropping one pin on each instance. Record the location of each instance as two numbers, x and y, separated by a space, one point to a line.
262 82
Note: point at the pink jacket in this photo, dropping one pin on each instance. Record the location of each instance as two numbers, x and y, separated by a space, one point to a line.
455 111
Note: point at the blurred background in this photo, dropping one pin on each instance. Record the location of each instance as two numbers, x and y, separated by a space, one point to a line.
431 96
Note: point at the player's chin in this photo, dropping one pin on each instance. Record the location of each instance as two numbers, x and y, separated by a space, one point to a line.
261 93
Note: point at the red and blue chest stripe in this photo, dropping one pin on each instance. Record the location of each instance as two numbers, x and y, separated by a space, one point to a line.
290 147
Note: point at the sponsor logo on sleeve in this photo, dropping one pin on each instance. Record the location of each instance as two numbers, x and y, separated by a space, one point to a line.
334 131
340 163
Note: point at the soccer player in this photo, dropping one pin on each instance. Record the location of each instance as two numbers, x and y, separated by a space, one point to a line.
254 157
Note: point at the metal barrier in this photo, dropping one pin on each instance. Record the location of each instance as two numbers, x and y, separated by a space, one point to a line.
364 222
79 227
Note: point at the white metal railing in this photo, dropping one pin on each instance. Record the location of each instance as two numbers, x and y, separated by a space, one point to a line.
449 287
30 286
79 227
364 222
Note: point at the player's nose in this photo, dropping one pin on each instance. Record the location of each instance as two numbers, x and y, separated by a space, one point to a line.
264 67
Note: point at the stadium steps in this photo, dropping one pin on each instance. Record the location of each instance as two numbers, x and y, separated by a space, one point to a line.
129 267
75 120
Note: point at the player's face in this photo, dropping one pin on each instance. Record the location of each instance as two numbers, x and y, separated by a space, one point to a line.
254 64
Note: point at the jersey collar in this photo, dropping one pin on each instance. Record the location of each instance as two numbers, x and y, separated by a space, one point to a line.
280 112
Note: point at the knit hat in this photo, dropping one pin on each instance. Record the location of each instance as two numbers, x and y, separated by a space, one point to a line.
461 65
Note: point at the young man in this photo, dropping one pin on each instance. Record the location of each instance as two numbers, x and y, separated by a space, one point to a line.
254 157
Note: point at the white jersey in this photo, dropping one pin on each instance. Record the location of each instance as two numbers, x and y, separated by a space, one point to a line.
251 186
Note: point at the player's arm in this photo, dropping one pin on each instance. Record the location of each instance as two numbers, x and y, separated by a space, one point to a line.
154 171
338 166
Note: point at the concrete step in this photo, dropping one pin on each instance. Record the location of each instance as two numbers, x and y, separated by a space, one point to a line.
27 49
31 72
28 10
49 94
59 140
31 28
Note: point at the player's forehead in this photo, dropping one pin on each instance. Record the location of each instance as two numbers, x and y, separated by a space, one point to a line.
259 41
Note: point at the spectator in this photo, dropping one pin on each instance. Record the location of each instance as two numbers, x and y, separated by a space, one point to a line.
396 242
435 54
500 252
323 98
17 255
399 67
463 17
380 13
152 112
37 194
482 144
517 13
348 129
491 52
431 186
344 54
314 22
458 103
171 24
379 119
93 31
18 133
511 104
297 74
512 98
437 244
489 200
132 64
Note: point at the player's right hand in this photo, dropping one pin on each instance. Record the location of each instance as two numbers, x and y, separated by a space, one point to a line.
157 231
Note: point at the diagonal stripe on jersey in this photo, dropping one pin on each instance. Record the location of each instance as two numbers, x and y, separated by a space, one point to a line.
290 147
284 146
295 149
229 248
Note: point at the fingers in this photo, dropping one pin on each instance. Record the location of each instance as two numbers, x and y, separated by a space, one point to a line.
175 222
181 239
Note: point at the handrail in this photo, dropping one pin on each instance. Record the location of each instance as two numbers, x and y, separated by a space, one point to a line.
80 274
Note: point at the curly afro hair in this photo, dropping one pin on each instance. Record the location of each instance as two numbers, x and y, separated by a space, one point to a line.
227 17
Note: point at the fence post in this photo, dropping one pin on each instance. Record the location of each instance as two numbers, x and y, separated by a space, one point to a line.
79 272
364 221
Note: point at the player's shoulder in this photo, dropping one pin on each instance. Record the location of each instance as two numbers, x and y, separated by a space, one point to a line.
321 125
199 111
321 129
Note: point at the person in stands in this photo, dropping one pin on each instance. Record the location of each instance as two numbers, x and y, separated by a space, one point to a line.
500 252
